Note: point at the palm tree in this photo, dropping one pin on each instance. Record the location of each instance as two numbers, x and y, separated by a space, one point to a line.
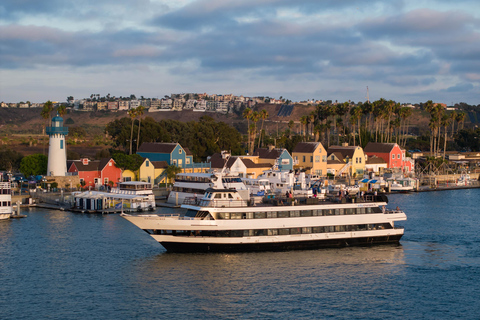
446 119
255 117
263 115
132 113
461 118
46 113
247 114
453 116
140 110
303 122
61 110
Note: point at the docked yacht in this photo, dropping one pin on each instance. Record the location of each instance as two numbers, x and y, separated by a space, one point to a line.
195 184
5 200
226 221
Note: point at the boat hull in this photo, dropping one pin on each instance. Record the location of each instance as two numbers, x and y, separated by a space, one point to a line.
183 247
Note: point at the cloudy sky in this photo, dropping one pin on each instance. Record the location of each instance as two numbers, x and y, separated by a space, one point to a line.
407 51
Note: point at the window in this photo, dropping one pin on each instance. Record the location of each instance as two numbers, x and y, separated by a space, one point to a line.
393 156
147 163
317 158
324 158
311 158
398 156
61 144
180 151
303 158
105 181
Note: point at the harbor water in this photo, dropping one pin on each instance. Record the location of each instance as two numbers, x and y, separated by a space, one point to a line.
63 265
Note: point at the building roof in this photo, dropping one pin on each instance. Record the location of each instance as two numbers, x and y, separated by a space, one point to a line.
92 165
345 151
250 164
375 160
376 147
159 164
268 154
306 147
217 161
338 156
188 152
157 147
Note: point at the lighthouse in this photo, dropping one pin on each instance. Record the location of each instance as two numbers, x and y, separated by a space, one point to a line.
57 149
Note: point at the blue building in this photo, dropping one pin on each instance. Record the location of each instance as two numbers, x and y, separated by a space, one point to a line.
173 154
278 157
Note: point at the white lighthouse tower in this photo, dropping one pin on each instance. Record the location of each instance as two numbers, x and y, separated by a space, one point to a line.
57 150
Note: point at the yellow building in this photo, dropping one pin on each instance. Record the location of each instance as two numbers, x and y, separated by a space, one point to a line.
150 171
311 157
352 157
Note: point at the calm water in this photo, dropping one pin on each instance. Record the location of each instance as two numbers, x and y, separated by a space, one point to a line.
61 265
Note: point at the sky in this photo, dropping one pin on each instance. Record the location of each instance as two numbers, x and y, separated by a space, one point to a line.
406 51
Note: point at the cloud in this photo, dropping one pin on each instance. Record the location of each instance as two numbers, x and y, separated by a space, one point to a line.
399 47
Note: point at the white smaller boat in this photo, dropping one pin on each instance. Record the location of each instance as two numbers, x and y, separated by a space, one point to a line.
5 200
402 184
464 180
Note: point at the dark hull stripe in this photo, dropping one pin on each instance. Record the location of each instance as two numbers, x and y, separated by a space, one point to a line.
279 246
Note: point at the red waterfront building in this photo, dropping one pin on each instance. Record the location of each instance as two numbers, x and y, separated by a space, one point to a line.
96 173
393 155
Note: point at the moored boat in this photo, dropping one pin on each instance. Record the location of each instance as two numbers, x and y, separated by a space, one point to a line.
225 221
5 200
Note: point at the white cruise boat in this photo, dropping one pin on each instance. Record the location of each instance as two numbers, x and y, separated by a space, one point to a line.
224 221
189 185
5 200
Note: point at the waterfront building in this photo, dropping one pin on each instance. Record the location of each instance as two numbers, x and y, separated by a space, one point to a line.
310 157
390 152
353 158
96 173
278 157
172 154
57 149
241 166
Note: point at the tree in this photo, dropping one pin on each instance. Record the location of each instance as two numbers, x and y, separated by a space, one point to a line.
263 115
172 170
61 110
247 114
35 164
140 111
132 113
130 162
45 113
10 160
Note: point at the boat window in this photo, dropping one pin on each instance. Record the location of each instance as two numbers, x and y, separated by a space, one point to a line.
272 232
191 213
260 215
349 211
307 230
294 213
283 214
283 232
230 196
295 230
306 213
376 210
272 214
249 215
360 210
218 196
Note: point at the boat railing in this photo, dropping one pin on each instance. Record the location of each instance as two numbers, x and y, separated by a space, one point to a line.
217 203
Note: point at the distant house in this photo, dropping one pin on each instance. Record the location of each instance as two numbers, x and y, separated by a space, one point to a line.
311 157
390 152
96 173
172 154
152 171
280 158
353 158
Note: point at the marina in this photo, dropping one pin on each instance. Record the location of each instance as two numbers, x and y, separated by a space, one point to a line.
70 265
